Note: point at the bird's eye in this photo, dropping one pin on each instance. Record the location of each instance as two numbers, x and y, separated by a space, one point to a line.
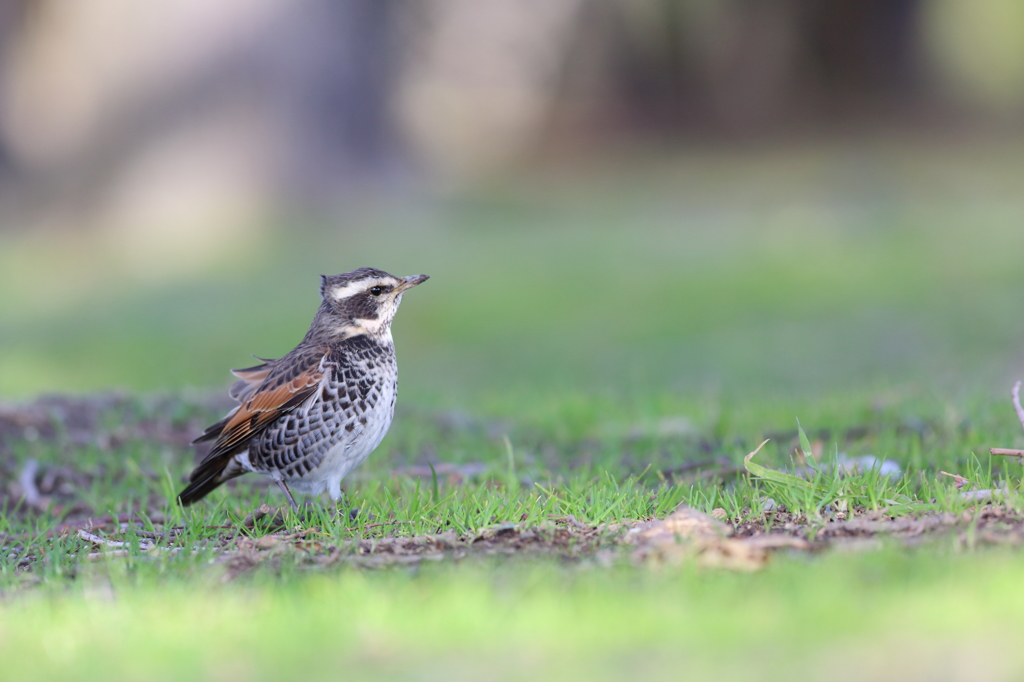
376 291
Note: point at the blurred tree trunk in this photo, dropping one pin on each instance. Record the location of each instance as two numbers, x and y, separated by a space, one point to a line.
12 14
749 65
335 67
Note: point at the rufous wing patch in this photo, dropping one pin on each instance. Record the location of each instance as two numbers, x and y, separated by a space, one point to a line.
286 386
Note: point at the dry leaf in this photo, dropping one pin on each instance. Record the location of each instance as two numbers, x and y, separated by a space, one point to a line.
684 522
688 533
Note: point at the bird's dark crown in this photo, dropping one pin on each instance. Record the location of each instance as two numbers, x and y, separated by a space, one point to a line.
361 301
331 282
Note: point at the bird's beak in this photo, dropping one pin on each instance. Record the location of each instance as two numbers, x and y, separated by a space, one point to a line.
410 282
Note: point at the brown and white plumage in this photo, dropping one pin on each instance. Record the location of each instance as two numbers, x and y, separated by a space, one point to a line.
309 418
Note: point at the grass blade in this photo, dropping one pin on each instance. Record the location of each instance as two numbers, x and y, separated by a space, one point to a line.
771 474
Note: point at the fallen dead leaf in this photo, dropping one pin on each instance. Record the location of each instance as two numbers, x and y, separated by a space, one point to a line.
685 522
691 534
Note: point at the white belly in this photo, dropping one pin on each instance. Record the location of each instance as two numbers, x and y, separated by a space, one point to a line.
350 450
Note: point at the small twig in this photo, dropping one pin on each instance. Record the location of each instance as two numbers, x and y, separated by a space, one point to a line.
155 535
958 481
113 544
571 520
97 540
93 556
1016 403
264 510
1006 452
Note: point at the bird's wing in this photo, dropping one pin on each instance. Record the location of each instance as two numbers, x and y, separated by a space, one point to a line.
286 384
249 381
282 386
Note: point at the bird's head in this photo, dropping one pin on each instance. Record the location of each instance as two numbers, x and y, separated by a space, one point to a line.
363 301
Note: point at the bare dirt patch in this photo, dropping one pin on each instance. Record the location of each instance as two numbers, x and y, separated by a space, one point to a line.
686 535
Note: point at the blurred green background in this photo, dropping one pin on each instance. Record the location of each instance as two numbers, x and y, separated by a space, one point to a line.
666 196
779 271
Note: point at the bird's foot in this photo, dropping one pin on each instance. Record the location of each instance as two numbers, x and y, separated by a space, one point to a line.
288 494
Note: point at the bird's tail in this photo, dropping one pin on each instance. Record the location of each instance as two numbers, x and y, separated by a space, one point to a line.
208 476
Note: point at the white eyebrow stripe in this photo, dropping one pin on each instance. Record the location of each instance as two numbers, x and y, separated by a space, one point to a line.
352 288
346 291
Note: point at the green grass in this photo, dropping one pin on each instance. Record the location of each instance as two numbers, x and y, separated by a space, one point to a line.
587 472
583 335
888 615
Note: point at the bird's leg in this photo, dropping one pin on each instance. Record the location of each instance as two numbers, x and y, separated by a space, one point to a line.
288 494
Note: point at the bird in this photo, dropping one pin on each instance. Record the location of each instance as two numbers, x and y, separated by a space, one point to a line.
309 418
